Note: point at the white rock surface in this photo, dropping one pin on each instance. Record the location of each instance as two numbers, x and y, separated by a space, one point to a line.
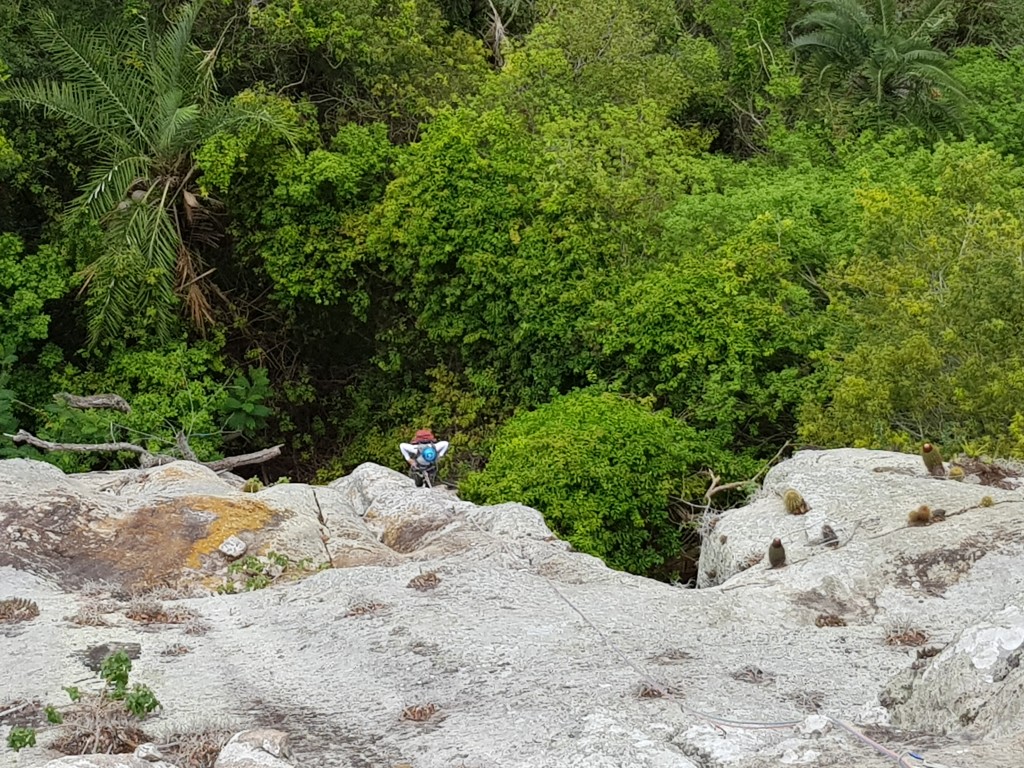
233 547
257 748
534 656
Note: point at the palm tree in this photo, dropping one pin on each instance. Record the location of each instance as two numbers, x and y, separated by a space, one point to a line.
880 58
141 100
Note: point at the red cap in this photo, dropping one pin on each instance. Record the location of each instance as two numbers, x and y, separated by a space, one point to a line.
423 436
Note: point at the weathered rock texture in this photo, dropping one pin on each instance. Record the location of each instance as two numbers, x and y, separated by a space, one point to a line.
448 634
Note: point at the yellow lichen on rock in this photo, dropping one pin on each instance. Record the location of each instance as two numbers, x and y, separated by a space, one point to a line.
230 517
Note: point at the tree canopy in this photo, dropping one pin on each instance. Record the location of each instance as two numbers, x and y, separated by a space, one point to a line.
707 228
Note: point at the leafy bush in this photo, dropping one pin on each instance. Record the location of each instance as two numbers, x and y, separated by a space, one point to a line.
996 84
926 316
171 389
601 468
724 336
27 282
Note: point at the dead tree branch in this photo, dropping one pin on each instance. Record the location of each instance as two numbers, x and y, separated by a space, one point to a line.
257 457
186 450
106 401
715 488
27 438
146 459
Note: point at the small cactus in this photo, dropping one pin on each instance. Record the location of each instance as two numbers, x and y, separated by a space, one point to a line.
987 501
932 457
794 502
920 516
828 536
252 485
957 473
776 554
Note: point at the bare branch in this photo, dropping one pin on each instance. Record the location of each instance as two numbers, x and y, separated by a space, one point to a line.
186 450
257 457
147 459
27 438
715 488
107 401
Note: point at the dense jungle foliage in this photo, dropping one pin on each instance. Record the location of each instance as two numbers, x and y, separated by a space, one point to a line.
600 246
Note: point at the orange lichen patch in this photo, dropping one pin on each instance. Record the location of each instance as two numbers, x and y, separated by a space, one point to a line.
230 517
158 542
145 548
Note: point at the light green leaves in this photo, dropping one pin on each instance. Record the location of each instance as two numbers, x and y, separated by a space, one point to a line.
601 468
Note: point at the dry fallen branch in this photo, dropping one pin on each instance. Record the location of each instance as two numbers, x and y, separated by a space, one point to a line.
245 459
106 401
146 459
184 448
715 488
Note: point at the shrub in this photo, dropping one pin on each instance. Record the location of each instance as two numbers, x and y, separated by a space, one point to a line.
925 341
601 468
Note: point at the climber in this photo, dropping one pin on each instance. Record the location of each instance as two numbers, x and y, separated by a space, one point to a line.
422 455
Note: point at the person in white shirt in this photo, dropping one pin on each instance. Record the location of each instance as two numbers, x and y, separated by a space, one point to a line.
422 455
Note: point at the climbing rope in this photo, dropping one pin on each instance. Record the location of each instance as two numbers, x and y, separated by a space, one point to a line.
719 723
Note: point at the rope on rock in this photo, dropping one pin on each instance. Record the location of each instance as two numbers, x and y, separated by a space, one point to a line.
719 723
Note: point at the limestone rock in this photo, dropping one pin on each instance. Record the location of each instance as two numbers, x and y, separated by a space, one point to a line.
529 654
106 761
233 547
134 529
258 748
149 752
975 686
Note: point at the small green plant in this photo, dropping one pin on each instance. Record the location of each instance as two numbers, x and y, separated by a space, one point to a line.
244 408
252 485
278 559
255 572
114 670
140 701
19 738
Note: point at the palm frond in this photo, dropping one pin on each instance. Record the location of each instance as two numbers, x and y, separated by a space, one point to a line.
927 19
244 116
175 61
147 234
836 14
84 58
131 285
109 183
153 232
73 103
885 16
114 283
178 125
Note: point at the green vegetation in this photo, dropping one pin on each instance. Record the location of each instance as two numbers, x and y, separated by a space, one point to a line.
254 572
96 720
603 469
707 227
